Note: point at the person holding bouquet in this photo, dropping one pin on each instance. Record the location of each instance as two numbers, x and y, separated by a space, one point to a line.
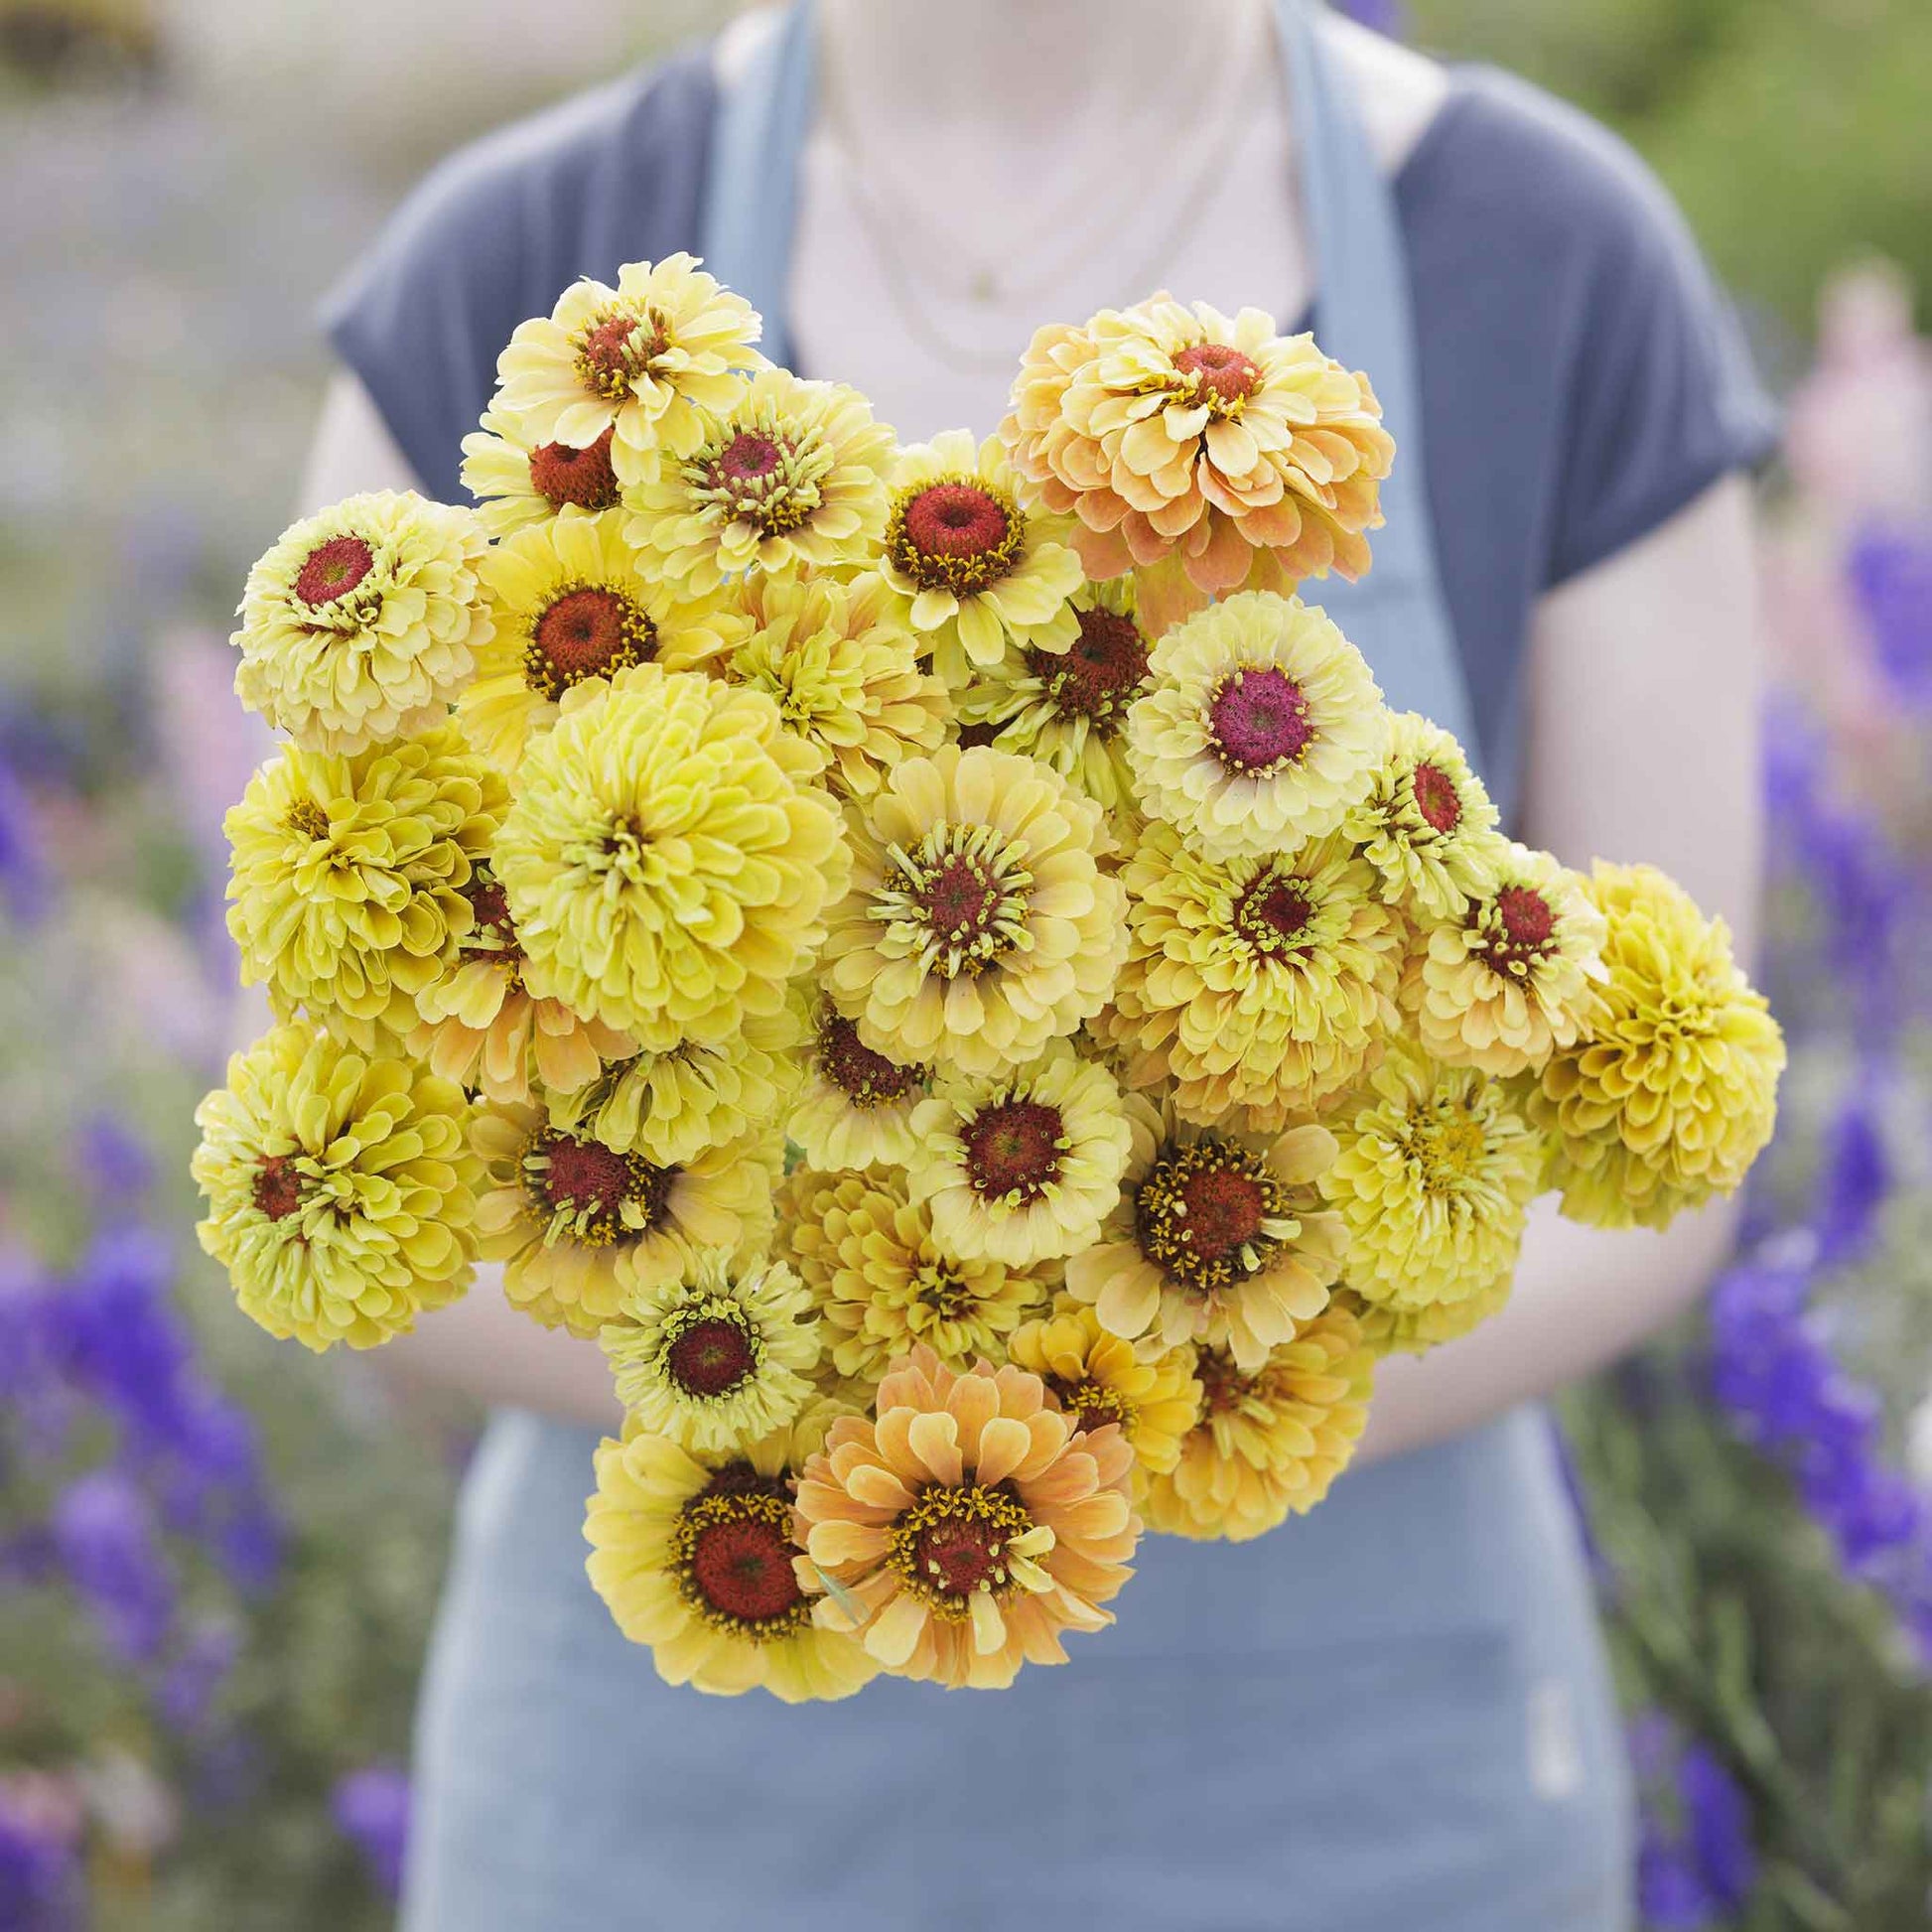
1395 1710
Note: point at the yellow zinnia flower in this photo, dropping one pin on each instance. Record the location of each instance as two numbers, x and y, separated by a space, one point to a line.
339 1189
1436 1174
1203 449
842 669
1510 980
481 1027
572 609
363 623
1426 825
1390 1330
792 477
1067 708
1670 1092
855 1107
666 860
966 1529
1262 985
717 1356
979 924
670 1107
1098 1378
693 1555
977 573
1216 1239
1258 727
347 878
883 1282
1023 1166
646 361
577 1226
518 483
1272 1438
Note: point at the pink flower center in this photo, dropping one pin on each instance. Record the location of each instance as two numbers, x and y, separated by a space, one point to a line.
710 1357
961 898
741 1567
333 569
1259 720
1098 675
955 536
1273 915
1219 372
278 1186
749 457
561 474
1436 797
1524 928
865 1079
953 520
1014 1147
617 349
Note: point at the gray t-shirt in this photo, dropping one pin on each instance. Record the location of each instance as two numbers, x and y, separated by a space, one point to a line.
1582 378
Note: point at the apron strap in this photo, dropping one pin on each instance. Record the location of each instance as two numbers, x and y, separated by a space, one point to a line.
1398 616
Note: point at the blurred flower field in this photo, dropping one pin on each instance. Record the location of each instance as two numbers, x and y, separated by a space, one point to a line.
218 1560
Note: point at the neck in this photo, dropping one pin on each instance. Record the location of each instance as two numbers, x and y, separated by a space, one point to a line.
1032 69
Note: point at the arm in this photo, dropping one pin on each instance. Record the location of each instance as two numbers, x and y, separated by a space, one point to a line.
479 1346
1642 711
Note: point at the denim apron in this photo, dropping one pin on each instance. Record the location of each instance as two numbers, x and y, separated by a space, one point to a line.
1390 1716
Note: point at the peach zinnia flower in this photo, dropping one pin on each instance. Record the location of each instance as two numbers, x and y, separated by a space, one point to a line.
967 1527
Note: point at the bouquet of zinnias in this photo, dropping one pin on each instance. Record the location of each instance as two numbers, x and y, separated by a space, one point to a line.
935 957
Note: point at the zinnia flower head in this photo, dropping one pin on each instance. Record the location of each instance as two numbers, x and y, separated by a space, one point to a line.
347 878
480 1026
792 477
666 859
1259 727
855 1107
1098 1378
716 1357
1067 708
979 924
363 623
1436 1174
1670 1091
577 1226
648 362
977 572
1218 1239
670 1107
842 669
518 482
1261 986
1022 1166
1426 825
572 609
339 1189
1203 449
693 1555
969 1526
1272 1438
1510 980
884 1284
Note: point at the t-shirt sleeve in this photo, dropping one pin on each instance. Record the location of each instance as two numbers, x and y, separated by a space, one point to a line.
495 232
1662 399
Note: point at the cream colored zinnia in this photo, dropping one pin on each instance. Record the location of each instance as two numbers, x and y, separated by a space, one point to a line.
963 1532
1670 1092
979 924
649 361
1258 727
518 482
855 1107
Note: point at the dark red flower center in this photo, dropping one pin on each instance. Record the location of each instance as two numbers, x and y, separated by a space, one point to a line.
710 1357
1258 719
278 1186
591 1184
1014 1147
587 1175
961 898
582 632
1219 372
332 570
750 457
1203 1211
1099 673
1222 1384
1092 1405
960 1554
561 475
955 520
867 1078
742 1565
615 350
1525 925
1436 797
1223 1212
955 534
1272 913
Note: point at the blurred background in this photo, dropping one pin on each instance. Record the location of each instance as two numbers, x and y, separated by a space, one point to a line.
219 1559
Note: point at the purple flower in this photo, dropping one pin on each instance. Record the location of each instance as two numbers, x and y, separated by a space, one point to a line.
40 1857
1696 1861
23 888
1857 1176
112 1164
111 1546
371 1810
1388 17
193 1680
1891 573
